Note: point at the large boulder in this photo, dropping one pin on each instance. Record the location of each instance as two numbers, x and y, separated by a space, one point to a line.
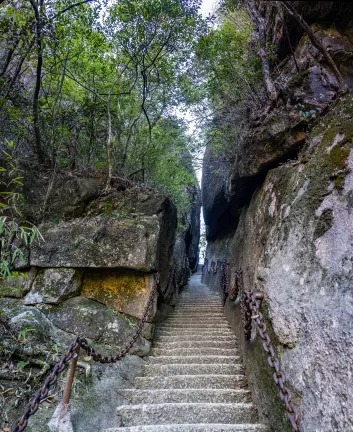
54 286
273 138
104 242
56 195
192 225
294 243
18 283
337 12
125 292
94 321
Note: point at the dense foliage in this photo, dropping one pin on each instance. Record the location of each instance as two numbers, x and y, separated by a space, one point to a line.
95 84
232 71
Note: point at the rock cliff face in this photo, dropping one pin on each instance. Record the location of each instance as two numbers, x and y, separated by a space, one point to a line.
283 214
92 276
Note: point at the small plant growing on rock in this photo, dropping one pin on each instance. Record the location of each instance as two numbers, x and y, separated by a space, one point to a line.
14 233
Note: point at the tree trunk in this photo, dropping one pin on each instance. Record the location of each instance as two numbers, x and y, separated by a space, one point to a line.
109 141
35 106
314 40
261 39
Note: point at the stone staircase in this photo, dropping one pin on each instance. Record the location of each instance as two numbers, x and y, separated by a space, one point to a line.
194 379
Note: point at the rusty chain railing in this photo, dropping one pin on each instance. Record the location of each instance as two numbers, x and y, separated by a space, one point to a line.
72 352
250 304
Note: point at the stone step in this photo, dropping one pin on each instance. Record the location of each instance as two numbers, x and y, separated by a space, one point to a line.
184 312
186 396
196 344
222 323
192 369
199 315
192 382
196 325
195 337
203 318
194 351
217 305
190 332
144 414
209 427
212 359
199 305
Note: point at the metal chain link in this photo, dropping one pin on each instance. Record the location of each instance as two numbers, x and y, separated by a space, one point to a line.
194 269
225 277
234 291
250 302
114 359
42 393
171 283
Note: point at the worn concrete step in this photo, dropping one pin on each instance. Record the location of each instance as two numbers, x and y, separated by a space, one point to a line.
207 325
195 325
194 351
218 328
200 303
186 396
209 311
192 369
212 333
209 427
181 307
194 337
196 344
203 318
199 306
144 414
192 382
209 329
195 328
191 316
203 359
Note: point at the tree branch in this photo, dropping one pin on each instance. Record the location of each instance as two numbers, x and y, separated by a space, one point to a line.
314 40
71 7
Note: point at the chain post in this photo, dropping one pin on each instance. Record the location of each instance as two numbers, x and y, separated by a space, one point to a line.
70 377
72 354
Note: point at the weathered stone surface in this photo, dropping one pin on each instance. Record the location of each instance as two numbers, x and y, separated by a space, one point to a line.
95 398
126 292
32 334
193 227
280 134
129 201
94 321
294 242
68 195
213 197
313 11
100 242
54 286
18 285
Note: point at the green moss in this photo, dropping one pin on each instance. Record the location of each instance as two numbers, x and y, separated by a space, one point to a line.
324 223
298 79
108 208
337 157
339 181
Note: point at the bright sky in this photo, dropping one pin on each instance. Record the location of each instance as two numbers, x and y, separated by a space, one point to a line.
208 6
